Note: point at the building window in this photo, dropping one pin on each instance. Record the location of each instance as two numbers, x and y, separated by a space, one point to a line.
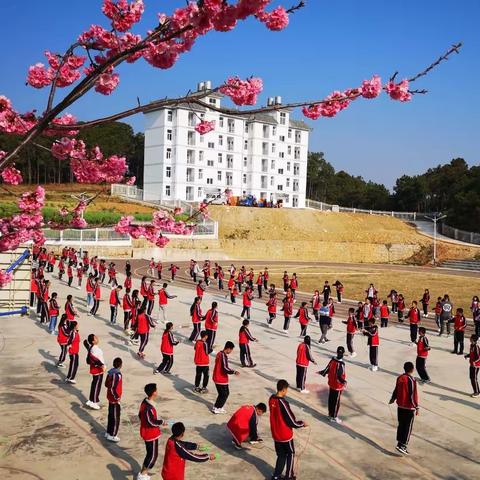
246 128
274 130
219 176
190 156
190 175
191 138
298 136
245 145
220 122
288 166
220 140
167 190
191 119
169 135
271 181
209 163
230 143
200 173
245 162
244 178
229 161
189 194
231 125
280 188
289 150
295 201
273 147
287 183
289 133
199 192
283 118
280 171
265 148
229 176
296 169
168 153
211 144
202 138
200 155
263 181
212 101
210 181
281 154
168 172
295 185
296 153
265 131
264 165
272 164
220 157
169 115
282 138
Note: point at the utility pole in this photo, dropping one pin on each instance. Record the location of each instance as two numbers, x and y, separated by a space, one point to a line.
436 218
83 197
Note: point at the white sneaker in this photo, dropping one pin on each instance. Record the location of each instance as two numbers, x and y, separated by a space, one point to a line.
60 365
93 406
374 368
305 391
68 380
335 420
222 410
216 411
285 332
353 355
111 438
143 476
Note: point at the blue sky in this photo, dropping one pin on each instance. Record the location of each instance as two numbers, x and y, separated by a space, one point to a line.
328 45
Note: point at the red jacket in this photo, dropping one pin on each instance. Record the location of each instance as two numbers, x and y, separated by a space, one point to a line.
304 356
211 319
151 293
200 290
272 304
143 289
96 363
127 302
168 342
143 323
459 323
302 315
74 342
474 355
243 424
244 336
405 392
149 423
90 285
335 369
201 358
221 370
316 302
114 298
293 284
127 283
287 308
53 308
247 298
422 347
372 334
97 292
113 383
384 311
414 315
176 453
351 324
197 313
69 311
282 419
162 297
63 334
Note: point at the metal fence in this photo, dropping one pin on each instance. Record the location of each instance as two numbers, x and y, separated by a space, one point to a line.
457 234
336 208
87 235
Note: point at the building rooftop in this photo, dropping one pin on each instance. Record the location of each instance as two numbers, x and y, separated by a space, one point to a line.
300 124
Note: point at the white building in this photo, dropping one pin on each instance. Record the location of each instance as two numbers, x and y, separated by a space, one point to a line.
264 155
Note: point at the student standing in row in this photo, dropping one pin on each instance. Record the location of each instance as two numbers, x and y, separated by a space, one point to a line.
150 297
53 312
244 338
243 425
351 330
97 368
247 303
197 317
373 342
414 319
423 348
282 423
211 326
339 287
303 318
272 308
474 359
166 347
287 312
459 326
144 323
128 306
304 357
202 363
149 429
114 303
337 382
221 372
163 298
113 384
384 314
62 339
326 291
96 293
325 322
425 302
406 396
73 351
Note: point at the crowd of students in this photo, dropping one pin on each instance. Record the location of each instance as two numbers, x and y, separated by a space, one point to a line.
138 306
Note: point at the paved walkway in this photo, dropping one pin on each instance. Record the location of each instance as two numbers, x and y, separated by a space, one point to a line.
426 228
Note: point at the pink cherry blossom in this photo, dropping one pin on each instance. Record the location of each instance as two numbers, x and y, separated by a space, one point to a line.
67 119
63 147
5 278
30 201
122 13
372 88
78 222
131 181
10 174
276 20
63 211
226 18
205 126
39 76
5 103
107 83
98 37
399 91
250 7
160 55
242 92
313 111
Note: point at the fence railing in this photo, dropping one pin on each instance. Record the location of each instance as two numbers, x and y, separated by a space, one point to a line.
87 235
457 234
336 208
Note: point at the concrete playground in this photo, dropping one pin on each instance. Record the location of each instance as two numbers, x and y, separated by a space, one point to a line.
47 433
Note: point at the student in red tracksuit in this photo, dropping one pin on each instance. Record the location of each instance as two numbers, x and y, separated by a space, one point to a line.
150 297
79 274
406 396
247 303
178 451
128 281
316 304
70 273
244 338
266 277
414 317
272 307
166 347
143 291
303 318
113 384
53 312
425 302
61 268
294 284
337 382
112 275
127 305
89 287
304 357
173 270
230 285
286 281
97 368
287 312
259 284
220 277
62 339
459 326
474 359
73 351
159 268
33 286
352 327
211 326
200 289
70 310
423 348
144 323
282 423
234 293
400 307
114 303
202 363
42 299
50 262
197 317
102 268
373 342
221 371
243 425
384 314
163 298
149 429
96 294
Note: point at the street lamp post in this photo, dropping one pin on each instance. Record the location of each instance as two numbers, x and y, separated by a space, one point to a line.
437 217
83 197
